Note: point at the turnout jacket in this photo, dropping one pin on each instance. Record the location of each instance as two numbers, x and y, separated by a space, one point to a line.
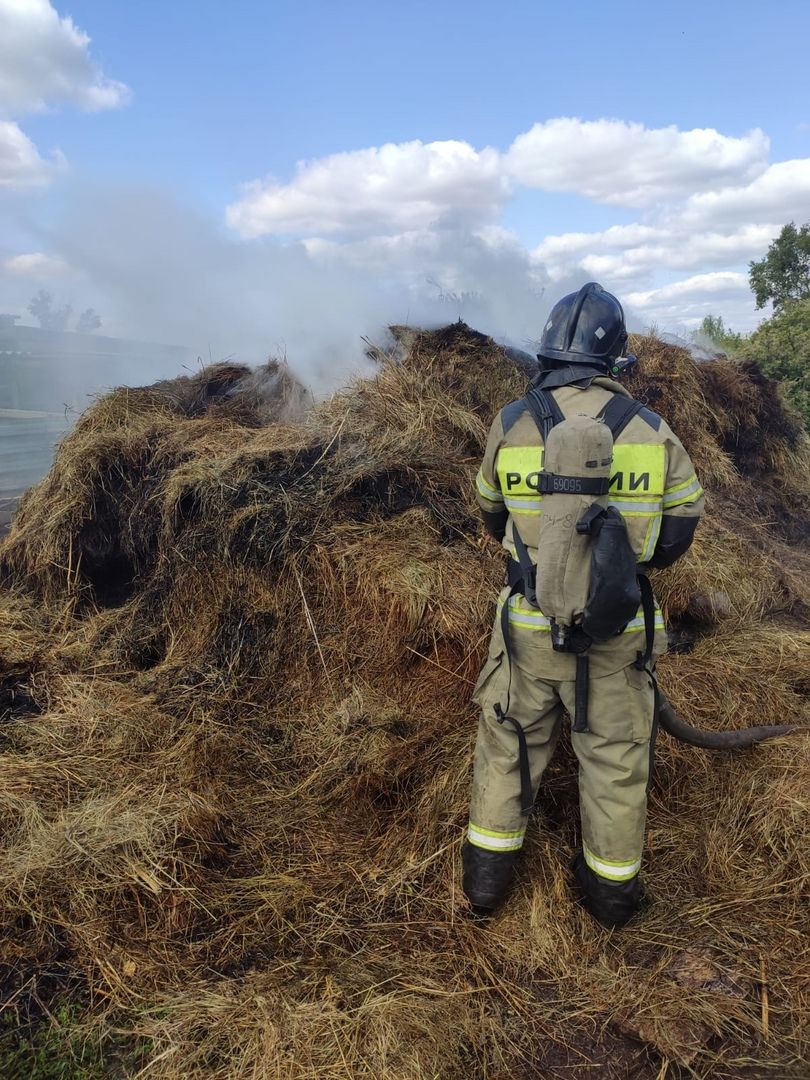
653 485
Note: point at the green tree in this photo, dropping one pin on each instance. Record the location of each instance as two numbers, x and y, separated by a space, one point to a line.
49 317
714 329
87 322
781 345
783 274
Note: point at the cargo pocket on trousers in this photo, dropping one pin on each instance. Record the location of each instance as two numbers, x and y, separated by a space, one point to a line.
488 688
640 703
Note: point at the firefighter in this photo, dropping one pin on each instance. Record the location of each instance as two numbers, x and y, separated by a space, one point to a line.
528 680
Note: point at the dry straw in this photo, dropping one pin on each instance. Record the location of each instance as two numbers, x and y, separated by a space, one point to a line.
238 638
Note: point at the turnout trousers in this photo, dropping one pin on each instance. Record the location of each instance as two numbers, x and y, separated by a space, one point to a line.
614 755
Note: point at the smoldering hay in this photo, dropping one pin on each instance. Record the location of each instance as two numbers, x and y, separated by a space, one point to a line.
239 634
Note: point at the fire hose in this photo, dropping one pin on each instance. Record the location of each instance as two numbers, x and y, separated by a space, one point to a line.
676 726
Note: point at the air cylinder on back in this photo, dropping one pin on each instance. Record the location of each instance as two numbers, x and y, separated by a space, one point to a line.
578 448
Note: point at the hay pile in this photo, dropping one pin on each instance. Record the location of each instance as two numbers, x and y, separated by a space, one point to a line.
238 639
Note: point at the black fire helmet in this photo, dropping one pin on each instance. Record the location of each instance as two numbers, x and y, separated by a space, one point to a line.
585 327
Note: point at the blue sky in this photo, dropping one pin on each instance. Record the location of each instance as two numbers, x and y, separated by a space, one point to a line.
219 96
224 93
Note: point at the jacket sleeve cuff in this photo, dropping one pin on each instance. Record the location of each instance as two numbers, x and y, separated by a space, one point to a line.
674 540
495 523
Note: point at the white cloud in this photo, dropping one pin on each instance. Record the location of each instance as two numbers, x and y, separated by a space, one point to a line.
618 237
441 254
44 59
394 188
398 251
417 217
625 164
710 203
690 296
404 186
624 252
20 163
781 193
34 264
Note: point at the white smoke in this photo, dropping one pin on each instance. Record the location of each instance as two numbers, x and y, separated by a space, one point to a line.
157 271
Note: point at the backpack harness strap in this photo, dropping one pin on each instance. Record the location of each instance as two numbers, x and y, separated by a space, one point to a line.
502 713
618 413
545 410
522 572
527 576
580 721
644 659
644 663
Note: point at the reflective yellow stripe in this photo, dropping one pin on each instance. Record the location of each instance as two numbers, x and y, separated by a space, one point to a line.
486 489
680 487
523 614
494 841
524 504
635 508
683 493
497 832
651 538
526 624
613 871
637 624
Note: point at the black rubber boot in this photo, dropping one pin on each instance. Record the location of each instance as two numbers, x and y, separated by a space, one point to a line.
487 877
611 903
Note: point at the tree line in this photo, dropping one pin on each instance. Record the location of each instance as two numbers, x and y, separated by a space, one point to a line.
780 344
50 317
